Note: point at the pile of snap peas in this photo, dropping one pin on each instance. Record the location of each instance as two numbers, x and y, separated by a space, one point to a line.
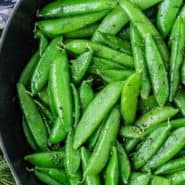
103 96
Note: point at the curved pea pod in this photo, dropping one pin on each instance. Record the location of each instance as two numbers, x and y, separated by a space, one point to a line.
76 100
28 71
43 42
104 144
29 136
130 144
46 179
60 26
53 159
102 64
180 102
150 146
160 180
57 174
144 27
176 58
60 92
72 156
86 31
131 132
171 167
35 123
89 180
129 98
174 143
166 15
139 179
43 96
80 65
113 75
124 164
100 106
177 178
80 46
156 116
117 18
112 169
157 71
139 61
146 105
41 72
74 7
115 43
86 94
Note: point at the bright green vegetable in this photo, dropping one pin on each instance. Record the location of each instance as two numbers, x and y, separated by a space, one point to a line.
139 179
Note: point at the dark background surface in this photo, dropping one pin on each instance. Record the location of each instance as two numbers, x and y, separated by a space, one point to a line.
15 50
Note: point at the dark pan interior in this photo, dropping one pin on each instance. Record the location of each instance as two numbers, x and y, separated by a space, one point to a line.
17 45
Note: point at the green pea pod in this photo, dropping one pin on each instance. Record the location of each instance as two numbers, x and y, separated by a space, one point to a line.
174 144
157 71
160 180
183 72
70 8
130 144
80 65
115 43
43 96
166 15
155 116
124 164
60 26
60 91
117 18
139 179
180 102
43 42
53 159
102 64
113 75
57 174
76 179
72 156
76 100
131 132
46 179
29 136
86 94
112 169
177 178
146 105
144 27
129 98
80 46
28 71
100 106
139 61
35 123
41 72
89 180
104 144
171 166
150 146
176 56
86 31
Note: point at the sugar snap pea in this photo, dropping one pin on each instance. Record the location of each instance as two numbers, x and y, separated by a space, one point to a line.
41 73
104 144
177 178
100 108
43 96
174 143
112 170
131 132
60 26
166 15
160 180
139 179
180 101
80 46
157 71
89 180
129 98
35 123
73 7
